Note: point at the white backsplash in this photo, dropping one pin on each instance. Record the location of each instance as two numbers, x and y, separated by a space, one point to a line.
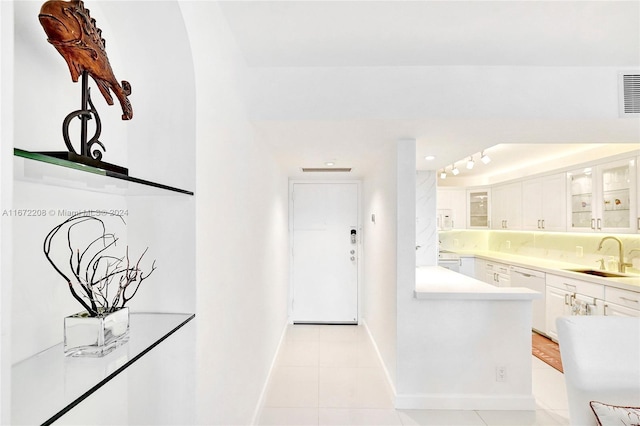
578 248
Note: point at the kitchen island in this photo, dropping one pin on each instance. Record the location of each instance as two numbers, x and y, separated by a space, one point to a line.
470 347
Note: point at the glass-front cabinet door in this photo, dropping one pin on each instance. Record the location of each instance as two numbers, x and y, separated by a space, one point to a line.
478 208
617 187
603 198
581 193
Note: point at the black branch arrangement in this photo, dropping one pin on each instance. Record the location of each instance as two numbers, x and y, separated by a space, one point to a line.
99 279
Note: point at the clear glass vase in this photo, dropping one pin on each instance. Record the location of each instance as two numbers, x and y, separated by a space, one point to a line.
95 336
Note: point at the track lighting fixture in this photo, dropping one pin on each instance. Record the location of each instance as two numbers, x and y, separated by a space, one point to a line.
484 158
470 163
443 174
455 170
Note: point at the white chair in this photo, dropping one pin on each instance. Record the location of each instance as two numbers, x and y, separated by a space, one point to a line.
601 362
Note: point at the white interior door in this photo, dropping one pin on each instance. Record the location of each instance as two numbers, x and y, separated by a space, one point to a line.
325 255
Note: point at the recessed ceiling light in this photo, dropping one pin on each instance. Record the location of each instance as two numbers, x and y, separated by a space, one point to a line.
430 157
329 163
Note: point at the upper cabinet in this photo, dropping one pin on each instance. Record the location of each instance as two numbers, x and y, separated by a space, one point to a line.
543 203
478 207
603 198
506 206
595 198
452 201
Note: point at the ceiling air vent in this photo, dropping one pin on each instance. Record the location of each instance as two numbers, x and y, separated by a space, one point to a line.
326 169
629 94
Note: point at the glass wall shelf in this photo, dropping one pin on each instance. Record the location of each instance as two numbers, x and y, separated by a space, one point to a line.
45 169
47 385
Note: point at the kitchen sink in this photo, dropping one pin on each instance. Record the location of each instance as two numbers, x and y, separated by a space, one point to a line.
598 273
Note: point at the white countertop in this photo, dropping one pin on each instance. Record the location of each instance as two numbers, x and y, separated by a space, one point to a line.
630 282
437 283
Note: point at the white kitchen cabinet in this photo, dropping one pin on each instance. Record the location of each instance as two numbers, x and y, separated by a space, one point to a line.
603 198
480 268
637 196
497 274
543 203
569 296
557 304
467 266
506 206
454 200
621 302
615 310
478 202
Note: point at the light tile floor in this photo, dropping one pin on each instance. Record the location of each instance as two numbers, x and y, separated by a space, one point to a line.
330 375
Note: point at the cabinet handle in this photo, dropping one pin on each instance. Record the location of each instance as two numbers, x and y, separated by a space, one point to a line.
604 310
565 299
542 223
538 223
628 300
593 223
599 226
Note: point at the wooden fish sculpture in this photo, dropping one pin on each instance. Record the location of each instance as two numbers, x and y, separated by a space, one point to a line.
74 34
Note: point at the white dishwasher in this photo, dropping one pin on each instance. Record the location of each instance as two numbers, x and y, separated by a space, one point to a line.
534 280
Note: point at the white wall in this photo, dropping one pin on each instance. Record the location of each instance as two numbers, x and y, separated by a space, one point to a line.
241 232
6 191
379 288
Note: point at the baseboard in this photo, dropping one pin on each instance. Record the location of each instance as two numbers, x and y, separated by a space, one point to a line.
274 361
465 402
380 360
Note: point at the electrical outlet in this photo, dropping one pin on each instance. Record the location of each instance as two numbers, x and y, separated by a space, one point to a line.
579 251
501 374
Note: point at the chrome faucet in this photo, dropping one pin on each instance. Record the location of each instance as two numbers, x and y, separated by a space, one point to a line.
621 265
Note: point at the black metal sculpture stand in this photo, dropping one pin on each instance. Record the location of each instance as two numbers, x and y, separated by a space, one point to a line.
90 154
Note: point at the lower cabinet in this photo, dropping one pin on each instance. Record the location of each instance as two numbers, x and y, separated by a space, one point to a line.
619 302
497 274
557 304
568 296
467 266
614 310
